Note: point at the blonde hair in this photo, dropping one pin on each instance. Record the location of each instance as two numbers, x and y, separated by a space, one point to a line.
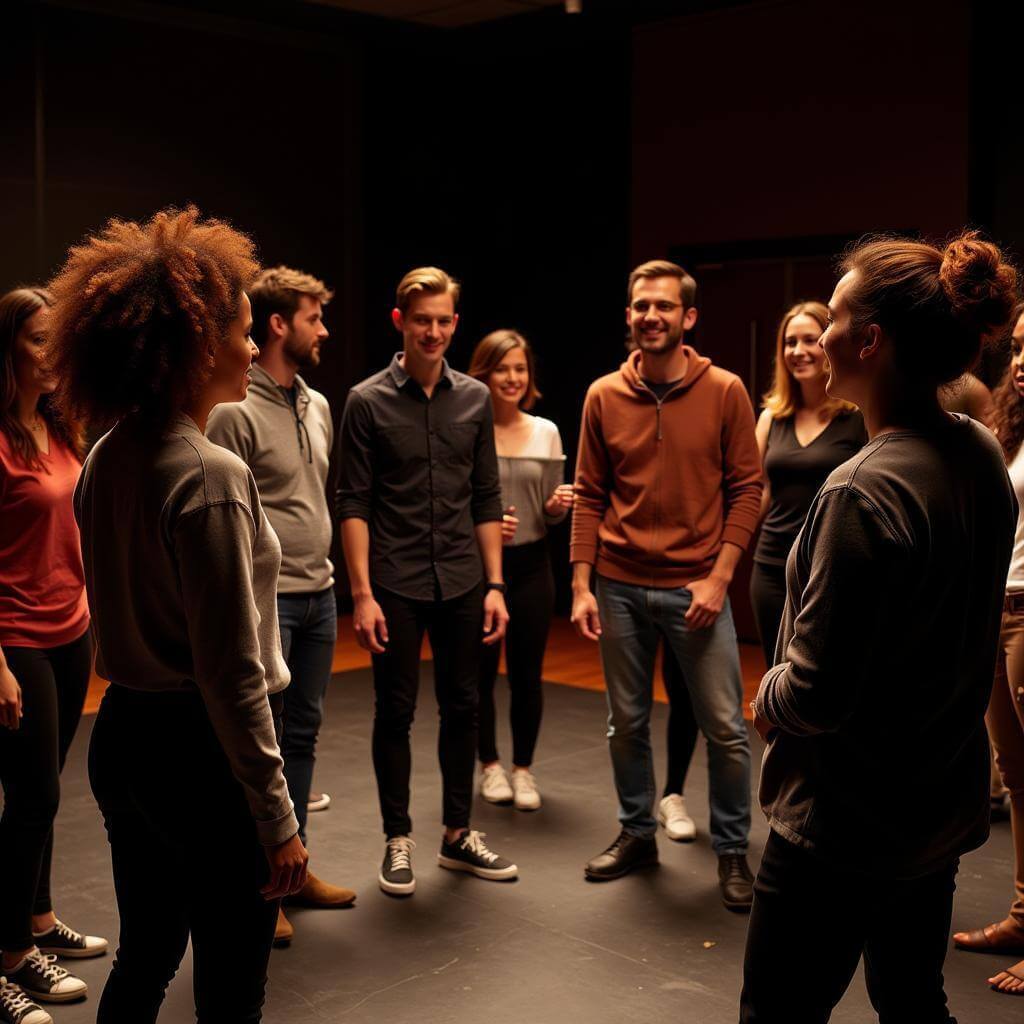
278 290
663 268
425 281
783 398
490 351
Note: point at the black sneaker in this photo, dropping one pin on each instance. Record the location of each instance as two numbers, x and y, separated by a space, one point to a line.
42 979
17 1008
736 882
396 875
627 853
65 941
469 853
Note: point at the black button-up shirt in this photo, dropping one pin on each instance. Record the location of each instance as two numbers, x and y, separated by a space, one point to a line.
423 473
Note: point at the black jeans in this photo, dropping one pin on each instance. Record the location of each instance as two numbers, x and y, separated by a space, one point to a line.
530 600
455 628
802 954
768 598
681 731
53 684
186 859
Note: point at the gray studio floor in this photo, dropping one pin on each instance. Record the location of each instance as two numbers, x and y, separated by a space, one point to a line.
548 949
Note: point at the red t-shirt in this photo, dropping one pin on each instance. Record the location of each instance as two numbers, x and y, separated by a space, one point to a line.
42 584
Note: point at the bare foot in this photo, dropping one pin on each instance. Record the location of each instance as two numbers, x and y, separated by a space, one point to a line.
1010 981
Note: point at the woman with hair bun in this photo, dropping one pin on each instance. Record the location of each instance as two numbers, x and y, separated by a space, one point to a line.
150 331
803 434
895 588
1006 710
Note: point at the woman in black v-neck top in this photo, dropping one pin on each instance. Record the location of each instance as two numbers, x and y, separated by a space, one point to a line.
803 435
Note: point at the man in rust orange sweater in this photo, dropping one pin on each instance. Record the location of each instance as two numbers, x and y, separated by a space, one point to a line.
668 484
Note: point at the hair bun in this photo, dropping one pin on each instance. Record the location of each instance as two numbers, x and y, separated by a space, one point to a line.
980 286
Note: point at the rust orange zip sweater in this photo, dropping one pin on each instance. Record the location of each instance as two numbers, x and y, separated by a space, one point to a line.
662 485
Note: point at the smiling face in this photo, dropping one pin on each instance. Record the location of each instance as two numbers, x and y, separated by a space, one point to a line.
842 347
30 375
229 380
656 316
427 327
305 334
509 381
804 357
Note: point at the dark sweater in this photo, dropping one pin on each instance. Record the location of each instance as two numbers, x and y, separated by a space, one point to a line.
886 655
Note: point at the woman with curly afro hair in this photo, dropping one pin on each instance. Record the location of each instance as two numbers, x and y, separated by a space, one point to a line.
150 330
888 644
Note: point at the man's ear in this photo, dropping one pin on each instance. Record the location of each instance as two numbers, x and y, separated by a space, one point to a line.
397 319
278 326
689 318
871 343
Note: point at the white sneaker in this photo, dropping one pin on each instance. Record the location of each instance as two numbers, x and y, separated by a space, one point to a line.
494 786
677 823
524 788
318 802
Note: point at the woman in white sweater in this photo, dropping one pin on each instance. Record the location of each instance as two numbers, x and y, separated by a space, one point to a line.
150 330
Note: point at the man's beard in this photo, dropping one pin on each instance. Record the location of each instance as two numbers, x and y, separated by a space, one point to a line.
304 359
670 341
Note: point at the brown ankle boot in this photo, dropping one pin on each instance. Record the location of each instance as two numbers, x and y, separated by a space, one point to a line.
316 893
283 931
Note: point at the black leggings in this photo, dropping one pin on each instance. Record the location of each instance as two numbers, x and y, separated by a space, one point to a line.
768 597
186 857
812 922
681 732
53 681
531 601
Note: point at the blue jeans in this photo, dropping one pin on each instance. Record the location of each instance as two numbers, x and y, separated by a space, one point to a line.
632 620
309 627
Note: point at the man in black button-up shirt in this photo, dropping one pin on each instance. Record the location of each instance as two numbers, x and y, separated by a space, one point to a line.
420 507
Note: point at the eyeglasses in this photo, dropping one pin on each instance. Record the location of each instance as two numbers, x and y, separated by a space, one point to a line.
642 306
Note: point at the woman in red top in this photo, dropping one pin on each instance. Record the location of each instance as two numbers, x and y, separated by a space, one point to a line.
45 651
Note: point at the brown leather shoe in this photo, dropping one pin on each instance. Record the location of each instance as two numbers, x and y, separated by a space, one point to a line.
1005 937
283 931
316 893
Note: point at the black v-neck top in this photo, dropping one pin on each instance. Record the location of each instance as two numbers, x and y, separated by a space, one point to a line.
796 472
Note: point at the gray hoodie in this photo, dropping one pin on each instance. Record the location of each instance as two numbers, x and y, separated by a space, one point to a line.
288 449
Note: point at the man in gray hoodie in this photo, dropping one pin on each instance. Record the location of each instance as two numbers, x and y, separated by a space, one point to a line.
283 430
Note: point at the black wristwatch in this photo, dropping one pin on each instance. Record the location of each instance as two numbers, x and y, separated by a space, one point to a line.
499 587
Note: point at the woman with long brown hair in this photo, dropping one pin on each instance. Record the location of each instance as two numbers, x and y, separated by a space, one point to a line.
45 653
1005 718
531 466
149 332
802 434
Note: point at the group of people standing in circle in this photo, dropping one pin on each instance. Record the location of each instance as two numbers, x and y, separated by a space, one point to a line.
192 545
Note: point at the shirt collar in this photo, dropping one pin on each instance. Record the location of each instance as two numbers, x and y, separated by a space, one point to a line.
401 377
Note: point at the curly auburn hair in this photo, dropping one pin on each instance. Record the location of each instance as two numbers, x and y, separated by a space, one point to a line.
1008 419
139 312
16 308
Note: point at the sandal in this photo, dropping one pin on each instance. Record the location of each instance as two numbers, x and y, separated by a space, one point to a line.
1005 937
1014 975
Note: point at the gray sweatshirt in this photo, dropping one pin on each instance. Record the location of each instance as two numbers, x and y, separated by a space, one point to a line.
181 571
288 450
886 655
530 478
